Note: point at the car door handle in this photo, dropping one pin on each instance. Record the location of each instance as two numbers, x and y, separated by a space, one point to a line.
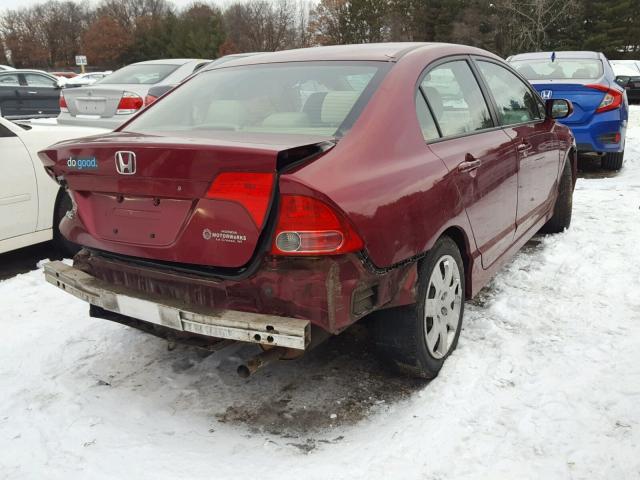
469 165
524 147
32 93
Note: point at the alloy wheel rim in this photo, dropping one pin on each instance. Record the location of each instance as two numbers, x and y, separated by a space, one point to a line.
442 306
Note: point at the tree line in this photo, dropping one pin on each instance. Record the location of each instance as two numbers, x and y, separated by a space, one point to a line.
114 33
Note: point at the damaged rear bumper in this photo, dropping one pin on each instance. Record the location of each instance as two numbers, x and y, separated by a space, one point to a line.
216 324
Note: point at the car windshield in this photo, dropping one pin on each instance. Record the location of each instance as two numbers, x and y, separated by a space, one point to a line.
560 69
322 98
147 74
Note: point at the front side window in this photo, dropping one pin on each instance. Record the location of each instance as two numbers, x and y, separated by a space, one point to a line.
515 101
559 69
285 98
35 80
147 74
455 99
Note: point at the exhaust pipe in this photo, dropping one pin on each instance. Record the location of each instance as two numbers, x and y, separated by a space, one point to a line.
264 358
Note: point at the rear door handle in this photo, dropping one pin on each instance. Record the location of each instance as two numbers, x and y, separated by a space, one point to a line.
469 164
524 147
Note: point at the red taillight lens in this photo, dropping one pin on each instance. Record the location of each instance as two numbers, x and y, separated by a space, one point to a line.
307 226
129 103
612 97
63 104
251 190
149 99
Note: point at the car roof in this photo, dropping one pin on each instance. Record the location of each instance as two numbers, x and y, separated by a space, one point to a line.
26 70
387 52
170 61
559 55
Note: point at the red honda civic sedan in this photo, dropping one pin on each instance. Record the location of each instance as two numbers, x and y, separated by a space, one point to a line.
280 198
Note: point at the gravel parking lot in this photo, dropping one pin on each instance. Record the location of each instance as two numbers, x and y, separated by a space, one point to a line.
545 382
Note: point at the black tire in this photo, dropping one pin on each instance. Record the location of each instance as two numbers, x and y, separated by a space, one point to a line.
561 219
613 161
401 333
64 246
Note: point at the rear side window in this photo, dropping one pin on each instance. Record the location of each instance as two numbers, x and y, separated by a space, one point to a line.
146 74
9 80
35 80
515 101
455 99
5 132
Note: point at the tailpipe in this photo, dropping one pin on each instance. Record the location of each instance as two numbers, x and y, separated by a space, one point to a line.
265 358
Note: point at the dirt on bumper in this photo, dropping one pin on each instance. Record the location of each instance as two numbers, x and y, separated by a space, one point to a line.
331 292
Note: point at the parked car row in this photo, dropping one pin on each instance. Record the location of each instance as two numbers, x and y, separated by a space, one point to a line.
587 78
116 98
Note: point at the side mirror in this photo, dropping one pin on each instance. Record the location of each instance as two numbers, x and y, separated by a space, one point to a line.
623 80
558 108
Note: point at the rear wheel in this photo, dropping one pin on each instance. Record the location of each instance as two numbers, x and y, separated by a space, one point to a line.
561 219
64 246
418 339
613 160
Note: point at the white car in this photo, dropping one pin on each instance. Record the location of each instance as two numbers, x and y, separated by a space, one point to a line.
84 79
31 203
633 64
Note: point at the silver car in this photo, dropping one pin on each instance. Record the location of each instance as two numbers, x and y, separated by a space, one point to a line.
114 99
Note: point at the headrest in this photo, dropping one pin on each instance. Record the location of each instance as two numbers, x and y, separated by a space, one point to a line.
229 112
337 105
287 119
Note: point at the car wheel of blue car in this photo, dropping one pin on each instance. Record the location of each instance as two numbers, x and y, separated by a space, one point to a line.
613 161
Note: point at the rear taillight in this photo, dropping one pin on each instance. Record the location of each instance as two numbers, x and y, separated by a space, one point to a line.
149 99
129 103
612 97
307 226
63 104
251 190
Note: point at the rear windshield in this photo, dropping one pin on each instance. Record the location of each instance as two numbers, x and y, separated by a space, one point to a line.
322 98
146 74
560 69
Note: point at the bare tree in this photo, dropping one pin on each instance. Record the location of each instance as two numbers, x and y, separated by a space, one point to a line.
128 12
350 21
261 25
533 19
45 35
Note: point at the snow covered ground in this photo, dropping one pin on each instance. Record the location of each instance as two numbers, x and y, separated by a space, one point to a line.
545 382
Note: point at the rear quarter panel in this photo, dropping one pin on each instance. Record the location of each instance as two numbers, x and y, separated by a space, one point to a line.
397 193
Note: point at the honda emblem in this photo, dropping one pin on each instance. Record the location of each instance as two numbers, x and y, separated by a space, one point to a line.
126 163
546 94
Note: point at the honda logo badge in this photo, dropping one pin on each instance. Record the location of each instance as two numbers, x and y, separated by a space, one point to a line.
126 163
546 94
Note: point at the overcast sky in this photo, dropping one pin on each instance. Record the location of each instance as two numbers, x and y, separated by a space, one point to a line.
11 4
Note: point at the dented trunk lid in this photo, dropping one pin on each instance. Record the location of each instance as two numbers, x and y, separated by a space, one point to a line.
152 197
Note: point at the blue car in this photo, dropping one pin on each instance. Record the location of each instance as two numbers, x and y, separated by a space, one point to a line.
601 108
